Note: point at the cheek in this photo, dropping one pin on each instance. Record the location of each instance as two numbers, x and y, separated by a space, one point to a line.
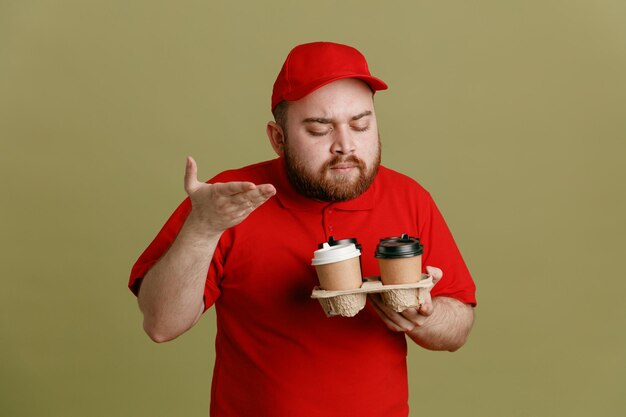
370 150
309 157
313 154
314 162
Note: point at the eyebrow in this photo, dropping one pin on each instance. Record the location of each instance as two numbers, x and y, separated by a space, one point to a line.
324 120
362 115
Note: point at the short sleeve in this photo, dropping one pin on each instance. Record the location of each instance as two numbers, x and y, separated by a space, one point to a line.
160 245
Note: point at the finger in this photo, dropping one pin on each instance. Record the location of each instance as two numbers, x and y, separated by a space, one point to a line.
412 315
426 309
242 205
436 273
427 301
390 324
247 200
232 188
390 316
415 316
191 175
267 189
259 196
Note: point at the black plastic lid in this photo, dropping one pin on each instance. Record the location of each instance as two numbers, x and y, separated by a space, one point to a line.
404 246
347 241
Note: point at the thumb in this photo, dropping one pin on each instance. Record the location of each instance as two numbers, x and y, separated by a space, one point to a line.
427 308
191 176
436 273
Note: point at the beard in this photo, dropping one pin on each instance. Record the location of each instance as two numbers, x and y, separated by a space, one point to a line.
321 185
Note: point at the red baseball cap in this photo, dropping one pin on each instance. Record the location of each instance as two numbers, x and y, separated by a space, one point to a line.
313 65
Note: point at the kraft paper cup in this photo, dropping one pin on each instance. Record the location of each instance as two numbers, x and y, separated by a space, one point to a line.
400 260
338 267
334 242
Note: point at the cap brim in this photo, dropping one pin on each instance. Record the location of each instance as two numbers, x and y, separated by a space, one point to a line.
375 84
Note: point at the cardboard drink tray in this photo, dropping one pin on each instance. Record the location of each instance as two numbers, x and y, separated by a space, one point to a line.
348 303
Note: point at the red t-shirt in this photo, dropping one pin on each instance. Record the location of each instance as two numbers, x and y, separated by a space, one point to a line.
277 354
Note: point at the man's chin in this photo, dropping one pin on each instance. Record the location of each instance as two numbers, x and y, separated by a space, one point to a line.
343 189
343 177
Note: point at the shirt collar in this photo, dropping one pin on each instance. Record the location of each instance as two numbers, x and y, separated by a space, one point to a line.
292 199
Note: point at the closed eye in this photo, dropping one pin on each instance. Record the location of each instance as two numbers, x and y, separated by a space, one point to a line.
361 128
316 133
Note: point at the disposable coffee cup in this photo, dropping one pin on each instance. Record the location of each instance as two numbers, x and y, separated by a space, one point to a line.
334 242
338 267
400 259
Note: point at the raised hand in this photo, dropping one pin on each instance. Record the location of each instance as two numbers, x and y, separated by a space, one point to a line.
217 207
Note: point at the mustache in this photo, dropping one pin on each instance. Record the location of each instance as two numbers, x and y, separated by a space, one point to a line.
338 159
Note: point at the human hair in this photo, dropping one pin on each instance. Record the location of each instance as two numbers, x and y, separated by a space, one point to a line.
280 114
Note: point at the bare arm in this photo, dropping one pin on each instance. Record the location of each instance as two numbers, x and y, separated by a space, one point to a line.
441 324
447 328
171 294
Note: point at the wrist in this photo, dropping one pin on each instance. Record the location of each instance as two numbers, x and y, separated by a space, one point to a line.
199 229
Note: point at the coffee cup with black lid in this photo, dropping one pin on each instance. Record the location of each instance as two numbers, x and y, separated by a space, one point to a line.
400 259
338 266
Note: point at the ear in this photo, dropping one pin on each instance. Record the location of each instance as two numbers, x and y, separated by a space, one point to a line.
276 137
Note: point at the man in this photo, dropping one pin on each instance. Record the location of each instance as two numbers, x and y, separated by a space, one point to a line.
244 242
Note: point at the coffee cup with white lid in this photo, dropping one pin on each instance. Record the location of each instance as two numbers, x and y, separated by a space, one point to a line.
338 266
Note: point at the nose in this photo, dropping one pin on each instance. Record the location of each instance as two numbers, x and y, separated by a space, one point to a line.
343 144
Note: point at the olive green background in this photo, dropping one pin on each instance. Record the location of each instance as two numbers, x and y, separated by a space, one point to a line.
512 113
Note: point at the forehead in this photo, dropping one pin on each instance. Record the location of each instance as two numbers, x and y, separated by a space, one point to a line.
340 99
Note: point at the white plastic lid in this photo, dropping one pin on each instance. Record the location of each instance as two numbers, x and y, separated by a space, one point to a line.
330 254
